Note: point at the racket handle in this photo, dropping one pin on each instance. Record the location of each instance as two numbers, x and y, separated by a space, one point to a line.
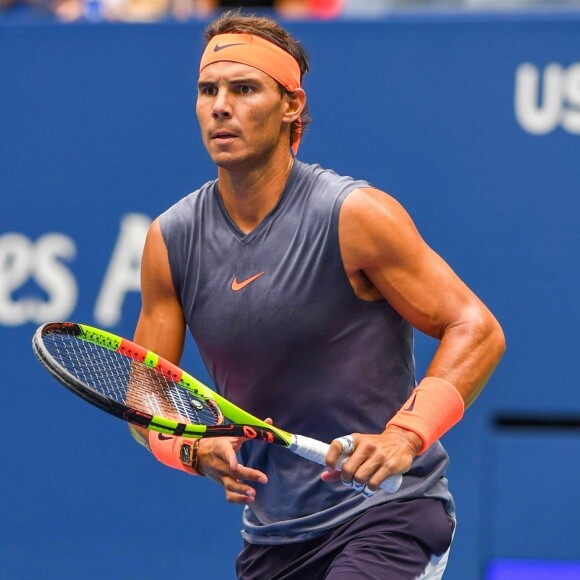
316 451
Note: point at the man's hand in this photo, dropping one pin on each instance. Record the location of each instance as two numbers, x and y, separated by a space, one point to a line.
218 460
375 457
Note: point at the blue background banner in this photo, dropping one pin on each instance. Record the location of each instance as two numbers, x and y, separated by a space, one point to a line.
472 122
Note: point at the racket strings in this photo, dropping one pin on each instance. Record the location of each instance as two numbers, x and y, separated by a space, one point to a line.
129 382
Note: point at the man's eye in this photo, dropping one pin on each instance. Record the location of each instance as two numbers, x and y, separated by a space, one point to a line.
245 89
209 91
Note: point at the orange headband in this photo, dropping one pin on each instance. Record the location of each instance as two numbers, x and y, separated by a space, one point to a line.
259 53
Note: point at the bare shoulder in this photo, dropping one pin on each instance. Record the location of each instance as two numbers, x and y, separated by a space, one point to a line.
362 199
374 226
161 325
154 241
156 278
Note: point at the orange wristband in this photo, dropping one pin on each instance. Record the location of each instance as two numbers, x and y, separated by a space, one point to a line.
177 452
432 409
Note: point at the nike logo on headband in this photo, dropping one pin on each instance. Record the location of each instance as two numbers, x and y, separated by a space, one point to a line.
217 47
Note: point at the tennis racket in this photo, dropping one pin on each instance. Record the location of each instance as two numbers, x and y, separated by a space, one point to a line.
138 386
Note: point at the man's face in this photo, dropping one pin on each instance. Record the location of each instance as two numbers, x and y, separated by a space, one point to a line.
240 111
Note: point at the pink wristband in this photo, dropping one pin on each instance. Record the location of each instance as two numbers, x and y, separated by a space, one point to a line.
432 409
167 450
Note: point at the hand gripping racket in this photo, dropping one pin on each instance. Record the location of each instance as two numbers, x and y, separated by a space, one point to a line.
138 386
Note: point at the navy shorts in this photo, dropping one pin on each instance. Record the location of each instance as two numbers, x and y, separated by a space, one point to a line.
396 540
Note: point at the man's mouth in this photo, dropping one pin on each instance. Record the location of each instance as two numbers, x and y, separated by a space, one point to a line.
223 135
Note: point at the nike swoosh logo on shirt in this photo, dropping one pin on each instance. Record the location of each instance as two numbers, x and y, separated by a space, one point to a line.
164 437
237 286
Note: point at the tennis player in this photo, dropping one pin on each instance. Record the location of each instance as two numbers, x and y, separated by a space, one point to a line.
301 288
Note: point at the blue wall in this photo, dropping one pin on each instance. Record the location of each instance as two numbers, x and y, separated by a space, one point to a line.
98 135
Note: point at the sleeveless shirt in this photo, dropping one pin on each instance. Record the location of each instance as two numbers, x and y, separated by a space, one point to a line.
283 335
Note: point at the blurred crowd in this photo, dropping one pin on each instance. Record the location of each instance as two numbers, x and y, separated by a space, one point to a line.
156 10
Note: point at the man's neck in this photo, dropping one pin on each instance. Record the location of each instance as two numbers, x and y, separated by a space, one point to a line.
250 195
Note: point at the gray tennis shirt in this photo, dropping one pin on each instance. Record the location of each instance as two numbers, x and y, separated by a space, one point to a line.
283 335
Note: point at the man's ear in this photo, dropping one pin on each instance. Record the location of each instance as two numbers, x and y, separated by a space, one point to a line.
295 103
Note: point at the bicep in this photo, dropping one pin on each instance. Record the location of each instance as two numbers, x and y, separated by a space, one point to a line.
161 324
380 239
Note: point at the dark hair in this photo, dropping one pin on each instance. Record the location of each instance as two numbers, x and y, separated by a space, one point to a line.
233 22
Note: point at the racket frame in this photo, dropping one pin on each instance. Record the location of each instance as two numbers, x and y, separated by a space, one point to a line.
243 423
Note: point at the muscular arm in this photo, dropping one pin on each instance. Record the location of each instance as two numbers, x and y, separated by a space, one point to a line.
161 329
385 257
161 326
380 242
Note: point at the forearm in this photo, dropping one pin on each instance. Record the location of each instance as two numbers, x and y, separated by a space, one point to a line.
466 357
468 353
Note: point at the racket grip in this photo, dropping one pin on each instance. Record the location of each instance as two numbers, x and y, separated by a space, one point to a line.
316 451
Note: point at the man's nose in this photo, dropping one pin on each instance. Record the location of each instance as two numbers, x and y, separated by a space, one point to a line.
221 105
